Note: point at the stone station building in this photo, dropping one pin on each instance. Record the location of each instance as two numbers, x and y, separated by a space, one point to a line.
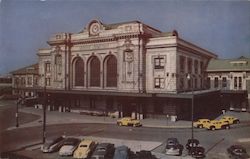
126 69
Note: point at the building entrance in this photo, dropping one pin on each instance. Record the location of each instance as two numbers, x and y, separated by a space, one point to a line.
128 108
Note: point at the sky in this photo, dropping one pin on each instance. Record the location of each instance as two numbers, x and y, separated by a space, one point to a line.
222 27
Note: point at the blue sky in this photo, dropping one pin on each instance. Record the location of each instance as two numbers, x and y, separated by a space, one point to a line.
222 27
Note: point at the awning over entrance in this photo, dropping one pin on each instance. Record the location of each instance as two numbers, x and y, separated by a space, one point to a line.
186 95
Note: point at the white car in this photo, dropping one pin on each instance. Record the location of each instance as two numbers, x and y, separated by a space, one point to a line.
173 147
69 146
52 144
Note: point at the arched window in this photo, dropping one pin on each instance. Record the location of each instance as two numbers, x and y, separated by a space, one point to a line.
79 72
111 74
95 72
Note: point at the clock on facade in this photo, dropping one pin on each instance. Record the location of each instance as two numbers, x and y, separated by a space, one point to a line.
94 28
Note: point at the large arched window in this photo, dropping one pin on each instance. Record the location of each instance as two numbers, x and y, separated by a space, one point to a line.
95 72
79 72
111 71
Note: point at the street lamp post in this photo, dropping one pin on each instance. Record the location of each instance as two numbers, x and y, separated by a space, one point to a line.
44 110
192 106
17 122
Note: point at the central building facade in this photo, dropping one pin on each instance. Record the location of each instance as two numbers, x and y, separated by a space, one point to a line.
129 68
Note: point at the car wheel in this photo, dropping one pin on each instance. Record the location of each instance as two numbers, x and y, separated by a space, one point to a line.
212 128
200 126
120 124
227 127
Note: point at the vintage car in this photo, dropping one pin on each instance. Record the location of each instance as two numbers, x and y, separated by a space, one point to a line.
52 144
192 143
216 125
144 155
122 152
68 147
103 151
201 122
230 119
237 152
173 147
84 149
128 121
197 152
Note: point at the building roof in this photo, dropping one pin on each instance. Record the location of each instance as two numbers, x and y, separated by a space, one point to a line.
31 69
239 64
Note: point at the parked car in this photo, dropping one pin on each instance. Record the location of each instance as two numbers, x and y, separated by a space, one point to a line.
144 155
122 152
52 144
103 151
216 125
173 147
237 152
68 147
84 149
230 119
128 121
192 143
197 152
201 122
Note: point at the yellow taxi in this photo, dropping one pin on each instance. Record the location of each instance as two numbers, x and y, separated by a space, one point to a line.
230 119
201 122
84 149
128 121
216 125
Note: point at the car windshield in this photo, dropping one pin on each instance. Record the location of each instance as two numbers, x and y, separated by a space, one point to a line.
101 149
240 151
83 145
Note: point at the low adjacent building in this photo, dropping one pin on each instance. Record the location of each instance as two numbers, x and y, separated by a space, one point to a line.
232 77
25 81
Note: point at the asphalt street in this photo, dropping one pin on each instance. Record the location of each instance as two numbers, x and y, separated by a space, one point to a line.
215 142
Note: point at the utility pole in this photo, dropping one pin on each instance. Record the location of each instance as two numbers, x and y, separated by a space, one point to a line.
192 106
44 110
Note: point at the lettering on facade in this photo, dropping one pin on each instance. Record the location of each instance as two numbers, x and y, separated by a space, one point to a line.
93 46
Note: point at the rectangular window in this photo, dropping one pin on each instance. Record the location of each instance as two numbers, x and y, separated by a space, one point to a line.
235 83
77 102
17 81
35 81
240 83
224 82
201 67
189 84
216 82
196 67
47 81
181 83
195 83
182 64
23 81
159 82
208 83
47 67
29 81
159 63
190 63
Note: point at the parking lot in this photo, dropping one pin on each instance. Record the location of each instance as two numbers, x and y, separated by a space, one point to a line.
156 148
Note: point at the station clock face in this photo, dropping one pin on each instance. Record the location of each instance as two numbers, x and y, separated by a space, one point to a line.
94 29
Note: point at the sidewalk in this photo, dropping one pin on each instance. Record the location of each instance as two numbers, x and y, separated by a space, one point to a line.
55 117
